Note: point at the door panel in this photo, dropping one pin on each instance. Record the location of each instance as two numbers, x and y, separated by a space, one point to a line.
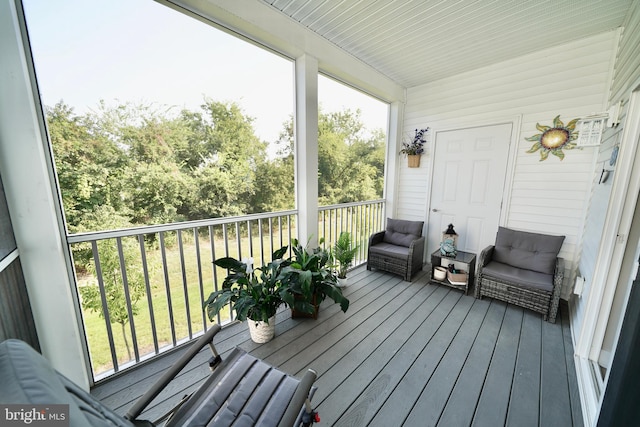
468 180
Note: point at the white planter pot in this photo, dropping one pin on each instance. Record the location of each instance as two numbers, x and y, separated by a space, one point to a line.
343 283
262 332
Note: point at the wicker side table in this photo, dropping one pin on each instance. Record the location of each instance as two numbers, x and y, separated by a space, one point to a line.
466 259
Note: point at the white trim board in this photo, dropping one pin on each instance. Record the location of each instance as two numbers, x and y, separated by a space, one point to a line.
6 261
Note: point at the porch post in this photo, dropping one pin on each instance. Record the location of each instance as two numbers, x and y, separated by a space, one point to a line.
396 110
29 183
306 148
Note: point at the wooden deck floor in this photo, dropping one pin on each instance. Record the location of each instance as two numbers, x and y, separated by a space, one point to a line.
412 354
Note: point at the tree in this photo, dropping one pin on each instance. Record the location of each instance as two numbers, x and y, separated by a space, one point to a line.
114 290
350 162
88 164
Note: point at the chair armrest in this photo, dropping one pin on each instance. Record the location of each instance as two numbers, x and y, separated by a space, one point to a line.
376 238
417 251
558 275
298 400
170 373
485 256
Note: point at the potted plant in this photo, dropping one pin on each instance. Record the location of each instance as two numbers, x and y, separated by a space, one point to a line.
344 251
415 148
309 280
254 294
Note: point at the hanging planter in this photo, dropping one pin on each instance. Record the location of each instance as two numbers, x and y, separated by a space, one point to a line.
415 148
413 160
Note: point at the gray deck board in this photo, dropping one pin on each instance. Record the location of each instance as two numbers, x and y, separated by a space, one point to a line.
574 394
436 337
554 388
524 404
460 406
405 353
492 406
434 396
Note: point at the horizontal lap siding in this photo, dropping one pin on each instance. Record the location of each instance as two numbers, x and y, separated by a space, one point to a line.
551 196
626 76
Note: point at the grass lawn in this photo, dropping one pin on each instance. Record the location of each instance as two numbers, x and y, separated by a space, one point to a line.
180 295
186 297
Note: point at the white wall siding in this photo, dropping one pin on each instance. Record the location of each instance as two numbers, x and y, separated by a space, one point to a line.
627 69
626 76
550 196
594 223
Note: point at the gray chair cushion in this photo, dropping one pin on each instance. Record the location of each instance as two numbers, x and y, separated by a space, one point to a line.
402 232
28 378
531 251
390 250
523 277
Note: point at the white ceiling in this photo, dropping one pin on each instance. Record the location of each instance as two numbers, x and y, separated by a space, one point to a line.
418 41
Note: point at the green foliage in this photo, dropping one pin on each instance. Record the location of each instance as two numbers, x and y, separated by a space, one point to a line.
112 275
350 161
310 279
253 293
154 166
344 251
89 164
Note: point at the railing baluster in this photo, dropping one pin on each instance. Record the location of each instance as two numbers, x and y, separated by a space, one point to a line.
185 288
250 234
261 237
359 218
196 240
213 266
105 307
225 235
167 288
147 285
271 234
127 296
330 223
225 238
238 240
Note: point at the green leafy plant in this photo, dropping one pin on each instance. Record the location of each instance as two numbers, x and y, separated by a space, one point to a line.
310 279
344 252
253 294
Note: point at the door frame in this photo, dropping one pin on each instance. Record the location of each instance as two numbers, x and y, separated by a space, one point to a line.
516 124
609 260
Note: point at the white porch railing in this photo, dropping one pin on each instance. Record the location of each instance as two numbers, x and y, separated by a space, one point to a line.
360 219
152 280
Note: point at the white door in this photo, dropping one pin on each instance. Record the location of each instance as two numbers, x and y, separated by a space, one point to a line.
469 172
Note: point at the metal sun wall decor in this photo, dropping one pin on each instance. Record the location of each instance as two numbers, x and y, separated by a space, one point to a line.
554 139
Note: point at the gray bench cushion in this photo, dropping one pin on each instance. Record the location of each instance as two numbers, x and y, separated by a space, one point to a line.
402 232
531 251
523 277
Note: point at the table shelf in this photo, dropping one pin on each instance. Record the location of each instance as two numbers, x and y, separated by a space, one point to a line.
466 259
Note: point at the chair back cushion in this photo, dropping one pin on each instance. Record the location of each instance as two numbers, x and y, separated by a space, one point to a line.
530 251
29 379
401 232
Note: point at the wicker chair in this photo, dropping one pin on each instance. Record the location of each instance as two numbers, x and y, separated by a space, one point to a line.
523 269
399 249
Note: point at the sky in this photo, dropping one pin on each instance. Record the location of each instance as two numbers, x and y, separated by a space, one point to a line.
143 52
